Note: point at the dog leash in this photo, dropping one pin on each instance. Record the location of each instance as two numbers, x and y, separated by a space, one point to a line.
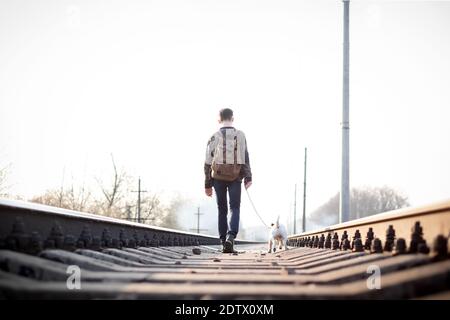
254 208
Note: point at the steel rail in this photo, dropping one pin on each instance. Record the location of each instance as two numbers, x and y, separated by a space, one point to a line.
31 227
423 223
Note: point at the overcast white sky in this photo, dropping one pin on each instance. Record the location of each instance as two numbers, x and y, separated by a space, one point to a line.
144 80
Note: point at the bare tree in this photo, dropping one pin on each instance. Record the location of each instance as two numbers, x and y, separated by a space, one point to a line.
78 199
73 198
151 208
113 192
115 200
155 212
365 201
51 197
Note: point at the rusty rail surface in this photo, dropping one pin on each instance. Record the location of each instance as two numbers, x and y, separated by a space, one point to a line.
403 255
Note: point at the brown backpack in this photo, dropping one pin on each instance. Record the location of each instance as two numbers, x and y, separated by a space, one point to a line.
225 171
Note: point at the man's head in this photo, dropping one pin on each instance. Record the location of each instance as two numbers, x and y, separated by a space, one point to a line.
226 114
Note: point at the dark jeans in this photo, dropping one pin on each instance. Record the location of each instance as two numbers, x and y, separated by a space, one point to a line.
234 189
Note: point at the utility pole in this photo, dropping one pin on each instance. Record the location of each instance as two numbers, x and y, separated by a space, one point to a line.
128 210
139 191
198 219
295 209
344 210
198 213
304 195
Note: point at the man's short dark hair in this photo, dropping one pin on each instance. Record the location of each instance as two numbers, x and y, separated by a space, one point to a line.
226 114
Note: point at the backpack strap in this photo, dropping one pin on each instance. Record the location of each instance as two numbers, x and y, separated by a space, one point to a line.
235 147
224 134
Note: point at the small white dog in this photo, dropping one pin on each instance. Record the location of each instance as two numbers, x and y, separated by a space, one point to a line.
277 236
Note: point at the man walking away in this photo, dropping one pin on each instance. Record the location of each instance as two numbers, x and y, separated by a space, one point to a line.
226 165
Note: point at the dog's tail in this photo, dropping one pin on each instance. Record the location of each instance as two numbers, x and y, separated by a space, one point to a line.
278 222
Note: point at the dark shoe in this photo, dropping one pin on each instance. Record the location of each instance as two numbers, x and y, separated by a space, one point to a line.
228 247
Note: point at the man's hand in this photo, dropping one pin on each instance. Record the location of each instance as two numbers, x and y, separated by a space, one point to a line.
208 192
248 185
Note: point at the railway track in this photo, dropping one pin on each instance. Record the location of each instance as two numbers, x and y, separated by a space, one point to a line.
48 253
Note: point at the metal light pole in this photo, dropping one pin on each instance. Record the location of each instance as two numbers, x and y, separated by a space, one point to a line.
304 195
344 212
295 209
